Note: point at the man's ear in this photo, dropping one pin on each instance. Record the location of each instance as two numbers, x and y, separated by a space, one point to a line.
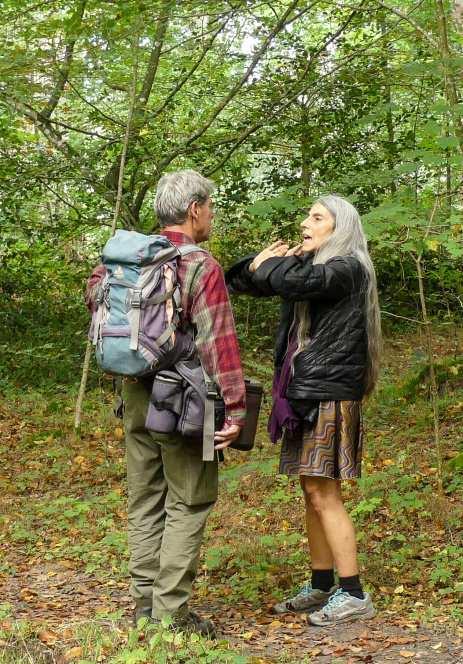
194 211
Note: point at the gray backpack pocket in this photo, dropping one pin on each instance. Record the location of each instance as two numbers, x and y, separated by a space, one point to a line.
177 401
166 402
191 421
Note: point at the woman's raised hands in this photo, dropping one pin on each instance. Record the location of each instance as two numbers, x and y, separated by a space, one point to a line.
276 250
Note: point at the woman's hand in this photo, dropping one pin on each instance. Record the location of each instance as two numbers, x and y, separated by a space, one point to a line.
295 251
277 249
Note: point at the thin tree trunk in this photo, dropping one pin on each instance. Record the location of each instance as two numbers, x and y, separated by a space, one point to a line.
83 385
117 208
390 144
432 374
430 353
451 91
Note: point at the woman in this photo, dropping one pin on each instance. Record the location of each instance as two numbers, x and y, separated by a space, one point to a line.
327 360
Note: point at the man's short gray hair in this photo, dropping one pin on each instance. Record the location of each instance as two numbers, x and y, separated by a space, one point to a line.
176 192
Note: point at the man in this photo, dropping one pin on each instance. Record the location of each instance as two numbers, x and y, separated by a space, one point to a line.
171 490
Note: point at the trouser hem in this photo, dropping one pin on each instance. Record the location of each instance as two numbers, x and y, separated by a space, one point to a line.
143 603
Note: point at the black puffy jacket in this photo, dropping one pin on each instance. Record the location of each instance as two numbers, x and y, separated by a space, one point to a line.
333 365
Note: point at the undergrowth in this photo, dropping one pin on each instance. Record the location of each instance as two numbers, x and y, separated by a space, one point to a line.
64 504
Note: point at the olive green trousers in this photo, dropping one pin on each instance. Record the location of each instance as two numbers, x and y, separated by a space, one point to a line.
171 491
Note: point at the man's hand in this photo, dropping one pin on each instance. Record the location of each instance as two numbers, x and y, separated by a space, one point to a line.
277 249
226 436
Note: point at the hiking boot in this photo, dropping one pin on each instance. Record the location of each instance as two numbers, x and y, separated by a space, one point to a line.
307 599
342 608
141 612
191 622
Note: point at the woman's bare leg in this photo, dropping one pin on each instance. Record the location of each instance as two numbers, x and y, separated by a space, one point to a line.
325 499
320 551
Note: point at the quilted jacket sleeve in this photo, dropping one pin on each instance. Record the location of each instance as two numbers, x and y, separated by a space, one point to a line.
296 278
240 280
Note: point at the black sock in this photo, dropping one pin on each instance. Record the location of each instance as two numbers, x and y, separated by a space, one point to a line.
352 585
323 579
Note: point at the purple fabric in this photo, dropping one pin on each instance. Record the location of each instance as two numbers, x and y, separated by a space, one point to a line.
282 415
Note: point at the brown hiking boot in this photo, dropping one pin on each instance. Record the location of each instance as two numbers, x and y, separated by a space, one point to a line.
191 622
139 613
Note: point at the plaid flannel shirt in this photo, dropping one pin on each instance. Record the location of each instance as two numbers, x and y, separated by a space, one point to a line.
206 305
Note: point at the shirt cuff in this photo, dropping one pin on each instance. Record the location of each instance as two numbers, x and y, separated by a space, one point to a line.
238 419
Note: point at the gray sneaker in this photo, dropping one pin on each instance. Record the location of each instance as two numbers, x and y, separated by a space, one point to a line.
342 608
307 599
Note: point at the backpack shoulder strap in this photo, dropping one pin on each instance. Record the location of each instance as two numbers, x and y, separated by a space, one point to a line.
186 249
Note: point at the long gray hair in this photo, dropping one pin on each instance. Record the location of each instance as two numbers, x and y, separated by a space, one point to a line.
347 239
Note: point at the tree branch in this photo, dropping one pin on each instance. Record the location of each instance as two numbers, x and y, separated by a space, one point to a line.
153 64
63 75
253 128
410 21
220 106
95 108
188 75
61 198
237 87
125 145
42 123
79 130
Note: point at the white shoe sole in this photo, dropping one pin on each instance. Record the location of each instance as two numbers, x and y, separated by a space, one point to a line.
348 619
311 609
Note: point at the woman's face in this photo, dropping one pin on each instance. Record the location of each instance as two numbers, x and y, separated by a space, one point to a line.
317 228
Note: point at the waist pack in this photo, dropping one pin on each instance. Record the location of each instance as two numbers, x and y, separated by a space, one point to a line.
134 327
185 401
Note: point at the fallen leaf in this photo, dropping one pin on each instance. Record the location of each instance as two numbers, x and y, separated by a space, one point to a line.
399 590
400 640
275 624
48 637
73 653
437 646
407 653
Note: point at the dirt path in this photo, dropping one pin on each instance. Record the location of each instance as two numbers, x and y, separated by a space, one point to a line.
57 599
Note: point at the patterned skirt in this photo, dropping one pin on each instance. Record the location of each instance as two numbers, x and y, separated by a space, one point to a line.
332 448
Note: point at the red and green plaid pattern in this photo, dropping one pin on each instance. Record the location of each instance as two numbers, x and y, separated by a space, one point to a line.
206 304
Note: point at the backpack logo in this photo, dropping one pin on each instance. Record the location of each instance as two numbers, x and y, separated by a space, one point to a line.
119 272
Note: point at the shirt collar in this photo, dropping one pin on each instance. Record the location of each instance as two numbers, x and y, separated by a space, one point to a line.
177 238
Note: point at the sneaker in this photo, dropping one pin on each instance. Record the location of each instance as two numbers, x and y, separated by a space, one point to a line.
307 599
342 608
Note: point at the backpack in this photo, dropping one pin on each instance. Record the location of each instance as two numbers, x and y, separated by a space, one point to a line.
135 327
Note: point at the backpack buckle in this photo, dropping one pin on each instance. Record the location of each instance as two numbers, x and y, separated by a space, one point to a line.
100 296
136 299
211 391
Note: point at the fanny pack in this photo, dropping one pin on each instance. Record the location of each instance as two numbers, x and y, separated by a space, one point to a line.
184 400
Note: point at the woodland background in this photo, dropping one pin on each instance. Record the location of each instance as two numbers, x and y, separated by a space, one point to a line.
278 102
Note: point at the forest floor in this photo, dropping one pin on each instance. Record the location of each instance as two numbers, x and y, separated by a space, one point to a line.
63 569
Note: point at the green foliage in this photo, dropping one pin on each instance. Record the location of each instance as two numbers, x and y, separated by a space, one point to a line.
369 117
449 372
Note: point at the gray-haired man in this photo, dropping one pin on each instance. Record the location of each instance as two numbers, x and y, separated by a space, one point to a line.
171 490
